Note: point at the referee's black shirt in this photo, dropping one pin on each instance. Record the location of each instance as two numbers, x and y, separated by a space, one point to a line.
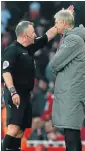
19 61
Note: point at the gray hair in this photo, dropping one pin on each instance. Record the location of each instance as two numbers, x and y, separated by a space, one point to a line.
65 15
21 27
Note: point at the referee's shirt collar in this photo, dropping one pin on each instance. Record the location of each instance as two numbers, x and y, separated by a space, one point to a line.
20 45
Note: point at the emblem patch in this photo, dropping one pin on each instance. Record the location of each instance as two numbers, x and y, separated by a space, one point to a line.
5 64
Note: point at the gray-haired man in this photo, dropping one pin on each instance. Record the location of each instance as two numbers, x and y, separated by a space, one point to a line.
68 65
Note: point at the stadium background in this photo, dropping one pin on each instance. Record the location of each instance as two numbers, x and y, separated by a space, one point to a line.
42 136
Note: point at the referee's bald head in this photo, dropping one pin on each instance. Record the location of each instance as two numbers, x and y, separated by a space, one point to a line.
22 27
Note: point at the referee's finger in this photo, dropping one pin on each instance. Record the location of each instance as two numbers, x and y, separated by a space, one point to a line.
18 100
14 101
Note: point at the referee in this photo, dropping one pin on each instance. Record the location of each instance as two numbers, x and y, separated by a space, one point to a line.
18 73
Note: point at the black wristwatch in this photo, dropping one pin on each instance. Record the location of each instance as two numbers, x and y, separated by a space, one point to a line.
12 90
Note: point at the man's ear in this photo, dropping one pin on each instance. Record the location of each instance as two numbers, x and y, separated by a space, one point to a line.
64 22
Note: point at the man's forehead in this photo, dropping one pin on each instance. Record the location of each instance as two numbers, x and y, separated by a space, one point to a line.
58 20
30 27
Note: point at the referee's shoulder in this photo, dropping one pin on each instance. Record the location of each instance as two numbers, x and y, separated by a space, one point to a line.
10 47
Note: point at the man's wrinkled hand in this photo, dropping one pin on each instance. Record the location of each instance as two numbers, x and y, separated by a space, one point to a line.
71 8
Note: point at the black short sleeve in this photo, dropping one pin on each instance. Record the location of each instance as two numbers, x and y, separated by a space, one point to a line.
9 59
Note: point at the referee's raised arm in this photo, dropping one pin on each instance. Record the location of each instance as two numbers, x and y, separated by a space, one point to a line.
40 42
26 35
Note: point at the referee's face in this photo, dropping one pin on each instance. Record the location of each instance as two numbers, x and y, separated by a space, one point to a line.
30 35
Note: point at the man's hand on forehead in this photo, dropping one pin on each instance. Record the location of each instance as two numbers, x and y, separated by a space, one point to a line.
71 8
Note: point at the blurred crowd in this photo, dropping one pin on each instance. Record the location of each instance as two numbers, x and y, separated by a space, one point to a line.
41 14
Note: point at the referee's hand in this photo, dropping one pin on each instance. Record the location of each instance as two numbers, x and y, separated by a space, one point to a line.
16 99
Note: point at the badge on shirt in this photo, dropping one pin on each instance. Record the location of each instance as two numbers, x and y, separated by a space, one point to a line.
5 64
